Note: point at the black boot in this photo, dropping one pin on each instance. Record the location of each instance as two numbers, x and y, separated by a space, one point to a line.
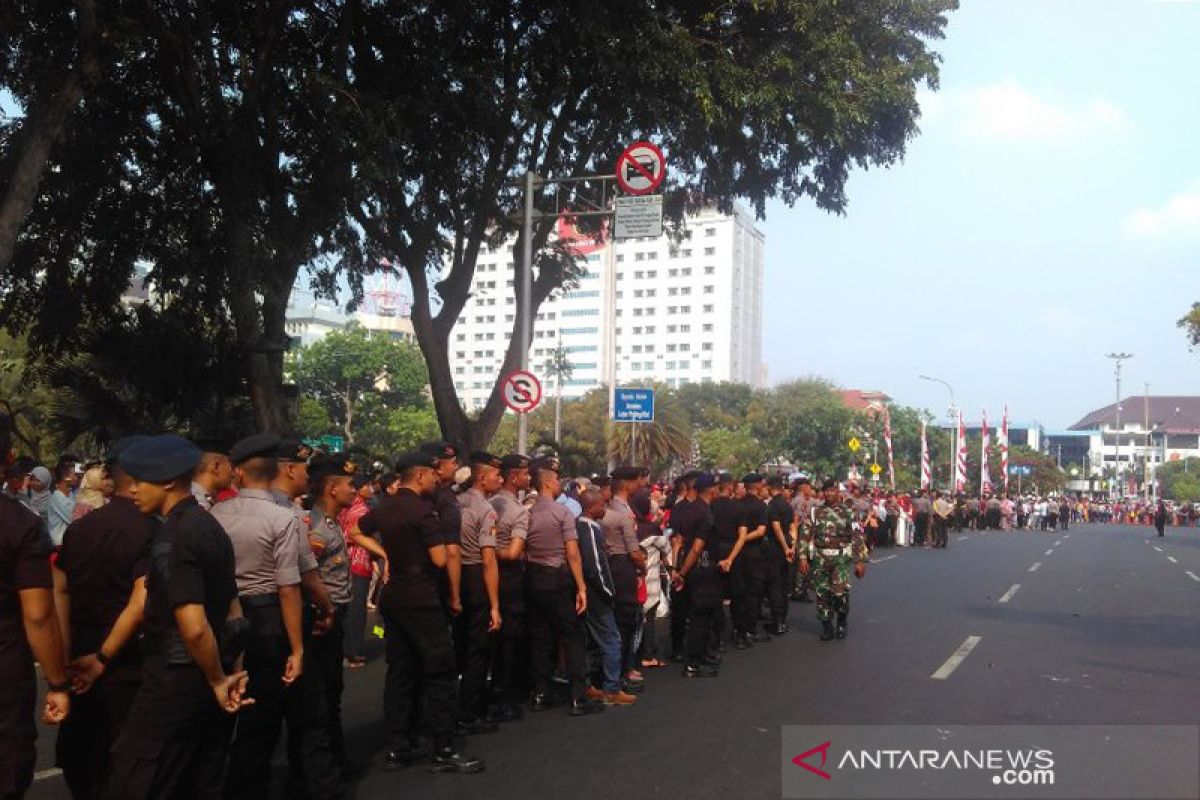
405 755
447 759
841 626
826 630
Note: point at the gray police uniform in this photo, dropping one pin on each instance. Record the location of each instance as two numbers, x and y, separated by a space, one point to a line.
620 538
512 522
473 643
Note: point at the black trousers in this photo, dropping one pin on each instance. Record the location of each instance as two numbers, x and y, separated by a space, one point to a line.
626 608
746 590
680 605
86 737
324 683
508 678
922 527
18 699
704 591
175 738
473 643
552 620
259 726
774 568
420 673
941 527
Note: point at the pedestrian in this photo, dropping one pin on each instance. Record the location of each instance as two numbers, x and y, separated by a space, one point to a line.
922 508
599 611
177 733
60 511
214 474
1160 518
626 562
780 552
657 550
682 512
100 590
361 567
699 576
943 513
512 529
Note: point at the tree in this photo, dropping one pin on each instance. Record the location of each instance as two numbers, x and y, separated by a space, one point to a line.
734 450
1046 476
752 100
1180 480
810 425
1190 322
662 443
359 378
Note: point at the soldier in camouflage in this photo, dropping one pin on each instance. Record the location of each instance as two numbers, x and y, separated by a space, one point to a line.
833 540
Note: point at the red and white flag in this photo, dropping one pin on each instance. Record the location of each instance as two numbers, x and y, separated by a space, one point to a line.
926 469
960 461
1002 441
985 477
887 440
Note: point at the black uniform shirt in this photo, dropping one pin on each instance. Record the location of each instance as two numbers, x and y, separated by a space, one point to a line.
102 554
754 513
191 562
24 564
408 526
778 510
728 516
449 514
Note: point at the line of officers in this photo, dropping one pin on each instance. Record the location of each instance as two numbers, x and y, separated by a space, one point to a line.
179 639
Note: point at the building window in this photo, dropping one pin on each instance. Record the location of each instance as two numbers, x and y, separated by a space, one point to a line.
707 327
637 312
706 346
710 270
672 291
638 275
672 309
709 289
710 231
685 328
649 348
651 273
687 271
672 273
578 331
639 256
708 309
620 258
706 364
649 312
638 292
651 256
685 290
710 251
683 348
670 329
637 330
581 312
685 309
649 329
651 292
670 348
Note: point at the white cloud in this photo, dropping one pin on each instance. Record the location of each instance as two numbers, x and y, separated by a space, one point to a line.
1006 111
1178 218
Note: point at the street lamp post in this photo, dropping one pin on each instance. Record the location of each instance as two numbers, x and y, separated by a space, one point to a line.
1118 358
953 427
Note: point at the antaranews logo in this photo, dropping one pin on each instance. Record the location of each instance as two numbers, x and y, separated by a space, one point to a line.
1021 767
802 759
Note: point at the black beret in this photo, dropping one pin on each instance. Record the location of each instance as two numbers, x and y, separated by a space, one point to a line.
256 445
514 461
323 466
160 458
485 458
830 483
704 480
775 481
415 459
626 473
440 450
121 445
751 478
724 478
293 450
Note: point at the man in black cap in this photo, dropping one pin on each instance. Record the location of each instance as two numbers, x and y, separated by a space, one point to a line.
747 563
445 501
100 582
780 552
269 542
29 630
685 516
699 577
214 473
512 528
730 528
420 656
557 593
175 738
480 620
625 560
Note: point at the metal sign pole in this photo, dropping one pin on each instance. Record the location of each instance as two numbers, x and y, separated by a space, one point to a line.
526 302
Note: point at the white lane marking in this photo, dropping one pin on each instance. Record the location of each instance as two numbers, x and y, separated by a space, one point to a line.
1058 542
1004 598
47 773
960 538
1193 575
885 558
1173 559
1034 568
1051 550
964 650
1157 549
1066 536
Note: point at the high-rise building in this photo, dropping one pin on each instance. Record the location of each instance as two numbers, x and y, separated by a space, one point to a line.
644 309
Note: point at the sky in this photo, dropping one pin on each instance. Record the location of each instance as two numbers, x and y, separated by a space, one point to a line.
1047 214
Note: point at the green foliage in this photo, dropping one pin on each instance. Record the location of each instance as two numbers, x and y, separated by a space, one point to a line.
1180 480
1046 476
736 450
807 422
1190 322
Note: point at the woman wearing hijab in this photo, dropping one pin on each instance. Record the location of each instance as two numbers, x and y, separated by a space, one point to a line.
37 496
94 491
658 550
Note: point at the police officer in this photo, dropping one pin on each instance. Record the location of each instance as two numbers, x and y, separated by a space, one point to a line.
445 502
512 528
557 593
100 580
214 473
625 560
175 738
701 578
780 552
480 620
268 541
28 630
291 483
803 501
833 541
747 563
683 514
420 655
331 491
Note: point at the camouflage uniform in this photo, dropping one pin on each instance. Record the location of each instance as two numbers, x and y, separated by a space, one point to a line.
833 543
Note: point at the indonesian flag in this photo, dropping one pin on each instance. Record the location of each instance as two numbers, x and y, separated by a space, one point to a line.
887 440
985 478
1002 441
960 461
926 469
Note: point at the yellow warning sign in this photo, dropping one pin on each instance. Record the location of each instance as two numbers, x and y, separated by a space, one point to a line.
854 444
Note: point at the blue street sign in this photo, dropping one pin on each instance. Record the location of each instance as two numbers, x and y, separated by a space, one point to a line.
633 405
1020 469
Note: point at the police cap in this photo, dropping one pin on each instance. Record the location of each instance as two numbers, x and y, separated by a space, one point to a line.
775 481
256 445
626 473
323 466
293 451
486 459
440 450
705 480
160 458
416 458
514 461
751 478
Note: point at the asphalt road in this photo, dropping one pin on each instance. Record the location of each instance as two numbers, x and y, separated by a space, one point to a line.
1105 629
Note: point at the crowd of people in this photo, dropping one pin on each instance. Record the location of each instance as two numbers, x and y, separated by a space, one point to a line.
188 602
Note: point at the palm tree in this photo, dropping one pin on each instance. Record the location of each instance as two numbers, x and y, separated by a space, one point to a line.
561 368
656 443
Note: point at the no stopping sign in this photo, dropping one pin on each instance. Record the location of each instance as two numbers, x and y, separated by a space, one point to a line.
522 391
